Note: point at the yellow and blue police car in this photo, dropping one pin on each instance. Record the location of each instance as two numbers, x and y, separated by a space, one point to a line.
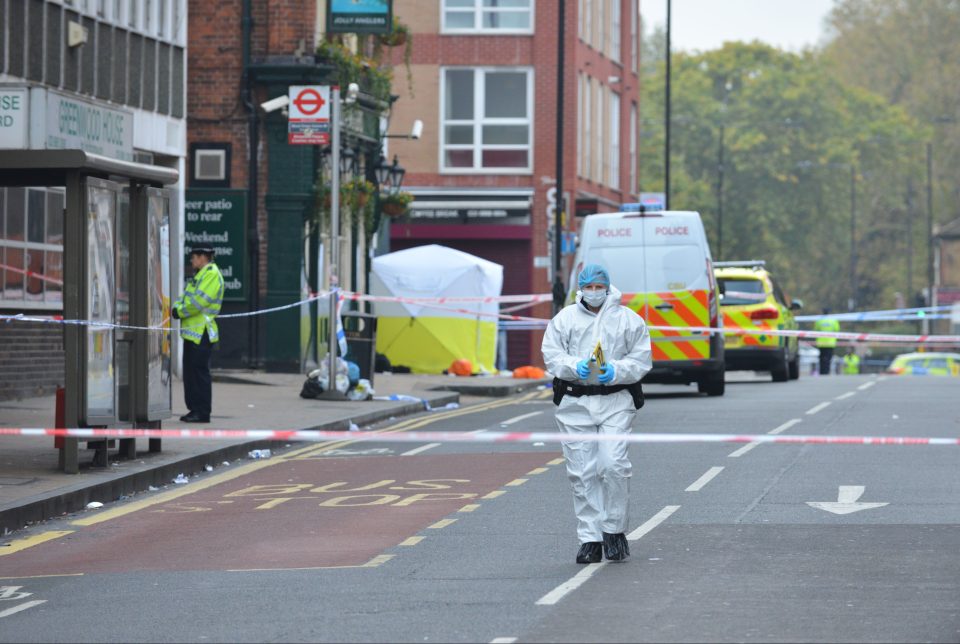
750 298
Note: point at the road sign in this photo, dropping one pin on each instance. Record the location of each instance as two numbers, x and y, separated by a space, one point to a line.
309 120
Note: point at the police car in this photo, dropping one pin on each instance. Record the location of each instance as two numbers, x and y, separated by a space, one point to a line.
750 298
661 263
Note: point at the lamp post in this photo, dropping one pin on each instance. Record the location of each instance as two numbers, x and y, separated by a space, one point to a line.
558 290
851 305
331 392
666 122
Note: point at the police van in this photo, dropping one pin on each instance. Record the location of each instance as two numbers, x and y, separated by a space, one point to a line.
661 262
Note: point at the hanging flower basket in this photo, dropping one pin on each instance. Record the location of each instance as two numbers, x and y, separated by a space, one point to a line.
394 209
396 205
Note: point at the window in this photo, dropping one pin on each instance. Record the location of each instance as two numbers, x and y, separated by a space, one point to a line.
613 179
588 129
633 148
615 30
600 38
579 124
486 119
133 20
588 22
580 19
31 248
598 139
501 16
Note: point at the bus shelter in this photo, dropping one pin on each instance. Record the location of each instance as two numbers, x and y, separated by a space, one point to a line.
116 290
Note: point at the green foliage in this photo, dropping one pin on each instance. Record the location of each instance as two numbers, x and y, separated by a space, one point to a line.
355 68
793 135
399 36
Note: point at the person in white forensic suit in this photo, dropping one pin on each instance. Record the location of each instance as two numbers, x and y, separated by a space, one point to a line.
595 398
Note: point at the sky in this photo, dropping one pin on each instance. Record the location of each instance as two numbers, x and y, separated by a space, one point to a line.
706 24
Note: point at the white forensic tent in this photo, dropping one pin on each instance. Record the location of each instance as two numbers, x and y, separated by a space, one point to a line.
425 338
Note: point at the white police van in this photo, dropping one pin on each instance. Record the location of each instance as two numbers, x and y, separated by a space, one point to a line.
661 262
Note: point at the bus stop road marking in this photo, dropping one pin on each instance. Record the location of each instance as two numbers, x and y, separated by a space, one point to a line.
295 514
249 468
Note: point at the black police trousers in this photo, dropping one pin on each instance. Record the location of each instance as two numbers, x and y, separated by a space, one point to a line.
197 383
826 357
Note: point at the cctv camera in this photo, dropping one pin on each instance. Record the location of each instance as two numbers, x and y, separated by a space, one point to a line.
417 129
275 104
352 91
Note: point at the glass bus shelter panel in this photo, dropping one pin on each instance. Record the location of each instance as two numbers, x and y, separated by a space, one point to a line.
159 362
100 387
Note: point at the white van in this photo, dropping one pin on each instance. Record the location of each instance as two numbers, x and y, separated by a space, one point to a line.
661 262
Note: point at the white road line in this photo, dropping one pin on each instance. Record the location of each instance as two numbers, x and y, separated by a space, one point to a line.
517 419
743 450
503 640
867 385
816 408
787 425
581 577
653 522
17 609
422 448
846 395
697 485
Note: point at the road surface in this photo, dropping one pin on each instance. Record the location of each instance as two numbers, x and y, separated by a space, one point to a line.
381 541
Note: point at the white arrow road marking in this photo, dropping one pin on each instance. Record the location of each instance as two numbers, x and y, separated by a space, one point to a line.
846 502
17 609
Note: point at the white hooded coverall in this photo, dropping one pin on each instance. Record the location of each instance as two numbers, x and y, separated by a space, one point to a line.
599 472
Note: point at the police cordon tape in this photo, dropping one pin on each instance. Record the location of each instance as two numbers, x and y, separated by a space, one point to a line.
529 322
32 274
473 437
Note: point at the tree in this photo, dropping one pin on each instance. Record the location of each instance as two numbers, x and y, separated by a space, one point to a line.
793 137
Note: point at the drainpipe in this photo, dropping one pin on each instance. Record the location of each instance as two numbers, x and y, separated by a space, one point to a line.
253 145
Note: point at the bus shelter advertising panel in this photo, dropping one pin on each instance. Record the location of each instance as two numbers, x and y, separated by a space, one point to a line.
100 385
159 401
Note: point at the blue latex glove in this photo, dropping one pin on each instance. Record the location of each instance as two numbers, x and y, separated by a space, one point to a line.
607 374
583 369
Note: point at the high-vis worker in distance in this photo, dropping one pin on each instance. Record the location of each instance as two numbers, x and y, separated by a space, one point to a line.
598 350
827 345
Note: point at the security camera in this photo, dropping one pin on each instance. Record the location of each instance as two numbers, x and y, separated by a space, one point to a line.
417 129
275 104
353 90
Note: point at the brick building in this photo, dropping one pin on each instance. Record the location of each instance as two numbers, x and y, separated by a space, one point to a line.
484 80
105 76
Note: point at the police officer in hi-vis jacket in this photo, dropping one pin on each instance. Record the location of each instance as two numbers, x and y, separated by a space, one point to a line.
197 309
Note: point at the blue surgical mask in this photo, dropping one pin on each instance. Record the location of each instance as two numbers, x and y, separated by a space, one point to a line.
595 298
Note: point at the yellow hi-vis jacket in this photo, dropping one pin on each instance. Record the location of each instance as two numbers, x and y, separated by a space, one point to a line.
831 325
200 304
851 363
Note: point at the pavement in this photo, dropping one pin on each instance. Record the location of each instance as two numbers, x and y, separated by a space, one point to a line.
32 489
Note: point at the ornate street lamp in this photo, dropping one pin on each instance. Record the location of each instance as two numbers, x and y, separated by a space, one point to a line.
396 176
382 172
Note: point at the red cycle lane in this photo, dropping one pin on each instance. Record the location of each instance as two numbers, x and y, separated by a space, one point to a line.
299 513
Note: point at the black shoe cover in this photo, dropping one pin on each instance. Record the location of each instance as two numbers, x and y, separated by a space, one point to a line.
590 552
615 546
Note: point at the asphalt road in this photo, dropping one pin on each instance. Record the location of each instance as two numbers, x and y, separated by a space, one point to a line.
476 542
